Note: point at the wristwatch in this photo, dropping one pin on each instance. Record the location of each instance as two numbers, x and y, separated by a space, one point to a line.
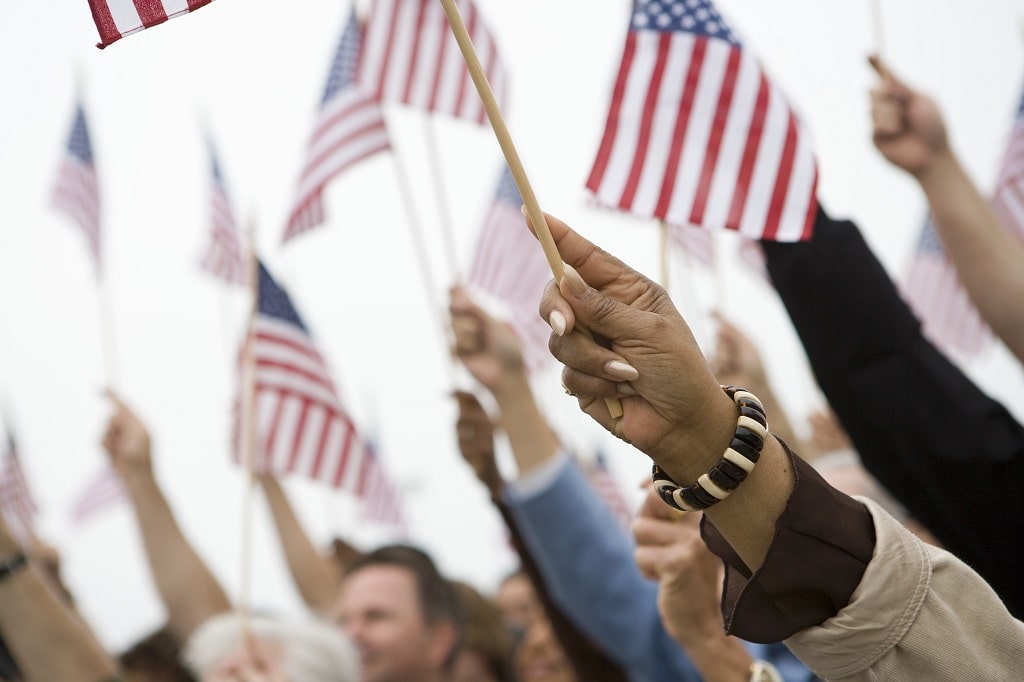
763 671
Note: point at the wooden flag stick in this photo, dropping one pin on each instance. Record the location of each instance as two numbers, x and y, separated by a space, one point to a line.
663 252
515 165
876 20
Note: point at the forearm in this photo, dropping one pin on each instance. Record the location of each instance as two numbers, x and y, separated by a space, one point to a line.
530 436
47 640
989 259
718 657
187 587
315 577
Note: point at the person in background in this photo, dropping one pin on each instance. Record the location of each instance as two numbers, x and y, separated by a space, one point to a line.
46 638
550 645
486 651
154 658
853 593
570 532
402 614
989 258
219 645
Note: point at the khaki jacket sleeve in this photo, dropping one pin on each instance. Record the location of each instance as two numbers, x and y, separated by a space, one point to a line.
919 613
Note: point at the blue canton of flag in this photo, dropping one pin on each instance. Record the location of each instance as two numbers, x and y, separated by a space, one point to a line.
76 192
274 301
691 16
343 69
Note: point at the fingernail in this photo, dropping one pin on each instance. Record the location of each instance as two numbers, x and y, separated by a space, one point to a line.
621 370
557 322
573 280
522 209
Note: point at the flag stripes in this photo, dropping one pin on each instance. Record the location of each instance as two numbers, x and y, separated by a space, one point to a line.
696 134
411 57
76 190
116 19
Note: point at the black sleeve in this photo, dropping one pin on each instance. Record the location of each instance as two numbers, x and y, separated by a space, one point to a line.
950 453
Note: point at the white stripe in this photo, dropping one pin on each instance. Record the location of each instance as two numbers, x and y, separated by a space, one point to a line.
431 37
172 7
126 17
316 417
287 425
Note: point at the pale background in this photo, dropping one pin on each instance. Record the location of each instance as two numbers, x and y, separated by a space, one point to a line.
252 71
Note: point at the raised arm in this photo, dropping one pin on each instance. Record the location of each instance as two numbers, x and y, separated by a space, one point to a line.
46 638
317 577
910 134
187 587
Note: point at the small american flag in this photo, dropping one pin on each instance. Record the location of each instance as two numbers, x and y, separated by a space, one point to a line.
380 499
934 292
601 480
116 19
224 255
16 503
509 265
1008 199
103 491
76 191
697 135
300 424
411 57
349 128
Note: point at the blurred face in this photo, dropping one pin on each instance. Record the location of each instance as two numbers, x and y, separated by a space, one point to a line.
259 662
540 658
379 608
518 603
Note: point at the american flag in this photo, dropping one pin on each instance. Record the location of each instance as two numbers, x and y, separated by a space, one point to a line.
16 503
380 499
934 292
509 265
224 255
116 19
76 191
697 135
349 128
411 57
299 422
603 482
1008 199
103 491
695 243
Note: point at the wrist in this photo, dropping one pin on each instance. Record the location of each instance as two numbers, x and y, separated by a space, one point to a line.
700 445
942 164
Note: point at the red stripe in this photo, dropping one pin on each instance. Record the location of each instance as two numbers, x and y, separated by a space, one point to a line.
346 450
364 473
460 97
414 55
693 75
644 133
782 178
346 141
383 75
268 443
151 12
318 460
812 210
297 440
614 112
297 346
104 22
739 197
700 199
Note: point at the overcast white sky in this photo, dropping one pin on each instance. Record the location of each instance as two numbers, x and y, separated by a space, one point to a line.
252 72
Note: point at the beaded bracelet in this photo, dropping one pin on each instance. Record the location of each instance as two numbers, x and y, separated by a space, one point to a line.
738 461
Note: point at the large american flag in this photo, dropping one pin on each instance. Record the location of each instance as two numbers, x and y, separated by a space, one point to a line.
1008 198
101 492
934 292
349 128
300 425
116 19
411 57
16 503
696 134
607 488
224 255
510 267
76 191
380 499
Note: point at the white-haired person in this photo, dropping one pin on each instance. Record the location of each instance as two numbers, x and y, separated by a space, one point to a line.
260 649
854 594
